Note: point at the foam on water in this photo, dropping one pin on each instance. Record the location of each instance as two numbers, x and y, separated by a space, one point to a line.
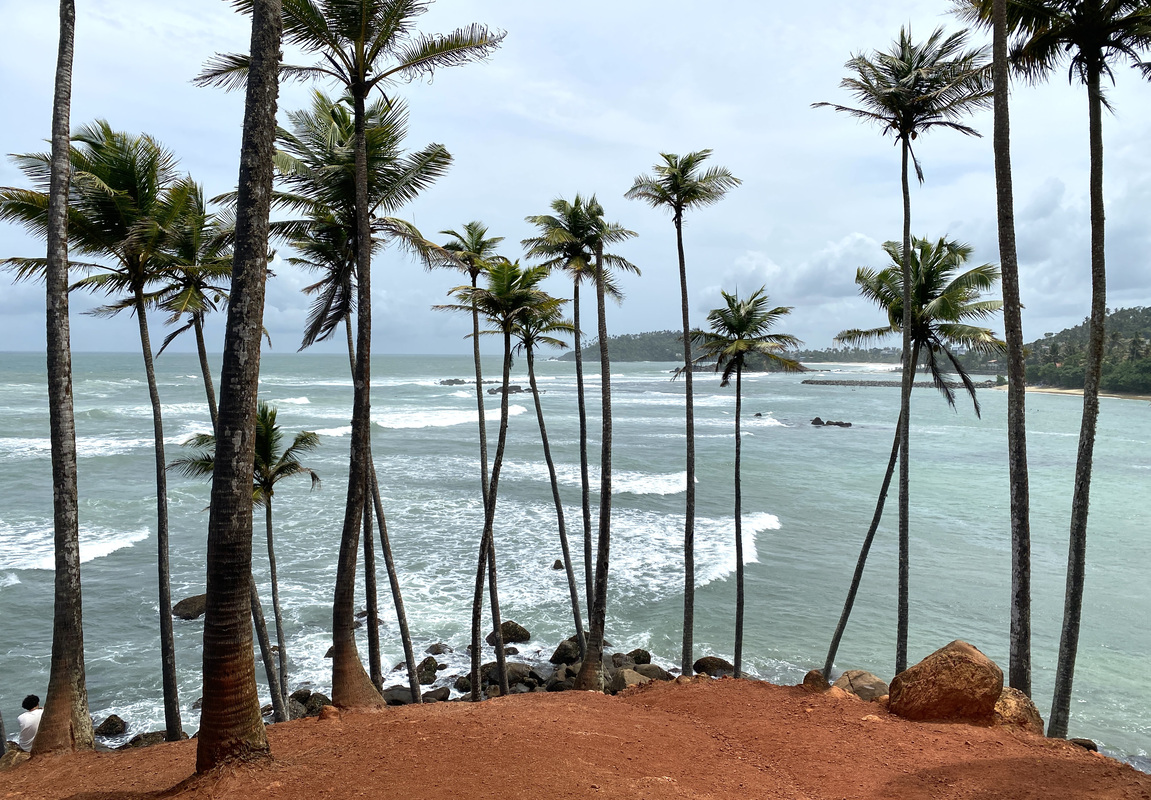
30 546
345 430
291 401
401 419
9 580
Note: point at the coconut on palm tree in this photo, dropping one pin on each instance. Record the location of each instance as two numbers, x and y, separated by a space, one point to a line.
909 90
945 301
740 329
678 185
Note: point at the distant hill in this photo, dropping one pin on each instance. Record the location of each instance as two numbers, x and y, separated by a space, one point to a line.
1057 359
653 346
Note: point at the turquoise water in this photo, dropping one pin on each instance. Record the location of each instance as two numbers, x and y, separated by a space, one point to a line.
808 496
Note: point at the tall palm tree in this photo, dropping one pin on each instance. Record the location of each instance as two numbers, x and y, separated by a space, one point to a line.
909 90
510 293
542 327
944 301
230 725
740 329
272 464
678 186
1092 36
123 198
362 45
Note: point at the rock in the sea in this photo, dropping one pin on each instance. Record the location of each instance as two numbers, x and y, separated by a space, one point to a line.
639 656
453 382
426 671
331 651
714 666
956 683
624 678
618 660
438 649
112 726
814 681
558 564
1015 709
296 709
463 683
517 673
191 607
437 695
654 671
512 632
511 651
817 422
863 684
1087 744
566 653
398 696
301 695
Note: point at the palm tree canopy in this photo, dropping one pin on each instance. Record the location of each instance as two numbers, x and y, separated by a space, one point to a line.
511 295
742 328
570 238
912 88
678 185
473 248
945 300
542 325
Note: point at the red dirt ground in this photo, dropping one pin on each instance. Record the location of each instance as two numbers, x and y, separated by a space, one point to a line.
704 739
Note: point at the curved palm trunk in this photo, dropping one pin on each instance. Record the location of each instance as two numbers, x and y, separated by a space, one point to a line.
908 381
375 666
1019 670
279 696
591 672
559 507
689 513
738 527
230 724
209 390
1077 551
173 729
65 724
480 396
281 642
585 493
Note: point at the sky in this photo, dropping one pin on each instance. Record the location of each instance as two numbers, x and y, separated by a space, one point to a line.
582 97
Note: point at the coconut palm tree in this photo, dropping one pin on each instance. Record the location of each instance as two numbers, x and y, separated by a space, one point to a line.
944 301
1092 36
678 186
542 327
510 293
362 45
230 725
909 90
740 329
123 198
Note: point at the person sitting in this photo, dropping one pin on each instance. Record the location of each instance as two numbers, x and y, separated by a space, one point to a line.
29 722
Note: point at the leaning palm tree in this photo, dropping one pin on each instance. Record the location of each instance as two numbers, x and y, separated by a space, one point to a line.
542 327
678 186
944 300
122 200
909 90
362 45
1092 36
739 330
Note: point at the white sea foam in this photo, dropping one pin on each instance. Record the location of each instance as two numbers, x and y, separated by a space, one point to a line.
433 418
463 394
86 446
346 430
29 546
9 580
292 401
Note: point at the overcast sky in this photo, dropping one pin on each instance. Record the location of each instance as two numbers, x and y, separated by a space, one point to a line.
581 98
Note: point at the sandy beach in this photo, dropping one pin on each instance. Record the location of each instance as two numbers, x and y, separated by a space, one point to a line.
1078 392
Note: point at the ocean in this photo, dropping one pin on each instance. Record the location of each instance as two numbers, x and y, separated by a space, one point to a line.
808 495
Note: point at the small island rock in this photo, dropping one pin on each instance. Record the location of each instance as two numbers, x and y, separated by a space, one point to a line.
191 607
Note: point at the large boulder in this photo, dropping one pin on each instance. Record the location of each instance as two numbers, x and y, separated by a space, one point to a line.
436 695
112 726
639 656
862 684
438 649
296 709
398 696
624 678
147 739
191 607
316 703
815 682
13 758
512 632
1014 709
517 673
956 683
714 666
566 653
654 671
426 671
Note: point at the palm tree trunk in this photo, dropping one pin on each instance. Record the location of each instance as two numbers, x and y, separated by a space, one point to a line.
1077 551
230 724
738 528
397 595
591 672
585 493
1019 670
4 734
689 513
559 507
198 326
173 729
480 396
905 429
375 666
65 724
351 685
275 689
281 642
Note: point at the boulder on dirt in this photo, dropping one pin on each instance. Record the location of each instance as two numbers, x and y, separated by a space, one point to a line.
437 695
566 653
517 673
398 696
814 681
147 739
863 684
639 656
191 607
1087 744
296 709
654 671
956 683
1014 709
301 695
624 678
714 666
438 649
112 726
513 633
13 758
316 703
426 671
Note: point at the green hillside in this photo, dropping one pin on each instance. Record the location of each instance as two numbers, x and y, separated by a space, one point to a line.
1057 359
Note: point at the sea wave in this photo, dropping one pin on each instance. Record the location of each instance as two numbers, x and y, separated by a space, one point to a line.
292 401
31 546
433 417
9 580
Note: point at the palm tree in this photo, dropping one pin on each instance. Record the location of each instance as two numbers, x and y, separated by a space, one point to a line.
944 300
1092 36
909 90
362 45
122 200
678 185
66 723
737 331
511 292
230 725
272 464
541 327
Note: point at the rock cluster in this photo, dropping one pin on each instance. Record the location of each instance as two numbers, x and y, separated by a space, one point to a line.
817 422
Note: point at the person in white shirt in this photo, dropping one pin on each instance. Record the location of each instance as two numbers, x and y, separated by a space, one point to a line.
29 722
